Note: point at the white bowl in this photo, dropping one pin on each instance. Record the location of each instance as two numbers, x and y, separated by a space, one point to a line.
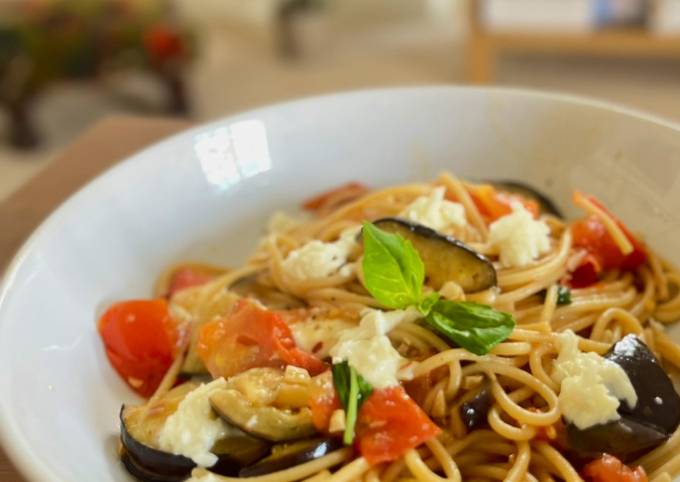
205 193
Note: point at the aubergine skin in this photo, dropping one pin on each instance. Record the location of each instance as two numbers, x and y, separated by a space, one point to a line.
658 403
139 472
546 204
152 465
653 419
309 450
474 412
154 461
625 439
445 258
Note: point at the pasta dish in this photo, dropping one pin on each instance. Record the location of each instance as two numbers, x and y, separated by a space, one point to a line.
441 331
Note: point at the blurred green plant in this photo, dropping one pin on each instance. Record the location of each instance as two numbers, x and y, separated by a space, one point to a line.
46 40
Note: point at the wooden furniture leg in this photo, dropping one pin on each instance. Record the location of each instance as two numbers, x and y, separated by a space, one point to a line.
480 61
480 54
22 132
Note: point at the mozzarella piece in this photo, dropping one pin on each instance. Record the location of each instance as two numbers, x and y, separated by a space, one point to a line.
519 238
317 260
590 385
368 349
435 212
374 358
318 336
194 428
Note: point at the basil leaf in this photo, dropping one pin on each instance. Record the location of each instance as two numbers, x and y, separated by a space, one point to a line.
353 390
341 381
473 326
563 295
426 304
352 408
393 271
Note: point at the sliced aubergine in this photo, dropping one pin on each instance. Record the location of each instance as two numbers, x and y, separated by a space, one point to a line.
140 472
268 403
289 455
625 439
654 418
141 426
658 403
445 258
546 204
267 422
474 411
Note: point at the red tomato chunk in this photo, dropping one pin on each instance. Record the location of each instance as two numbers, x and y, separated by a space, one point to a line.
141 341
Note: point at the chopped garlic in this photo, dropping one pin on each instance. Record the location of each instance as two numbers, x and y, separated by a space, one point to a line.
590 385
297 375
337 421
519 238
435 212
452 291
317 260
368 349
204 477
194 428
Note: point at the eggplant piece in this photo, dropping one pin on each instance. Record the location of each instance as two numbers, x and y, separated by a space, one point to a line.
269 423
290 455
267 295
546 204
654 418
142 459
625 439
140 427
140 472
445 258
236 451
474 411
658 403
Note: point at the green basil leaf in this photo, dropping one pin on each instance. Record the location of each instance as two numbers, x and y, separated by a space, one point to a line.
352 408
393 271
341 381
426 304
563 295
365 389
473 326
353 390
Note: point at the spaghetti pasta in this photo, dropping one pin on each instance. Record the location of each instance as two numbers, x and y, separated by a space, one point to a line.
522 433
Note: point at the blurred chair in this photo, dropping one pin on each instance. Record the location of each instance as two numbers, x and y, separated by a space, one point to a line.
46 41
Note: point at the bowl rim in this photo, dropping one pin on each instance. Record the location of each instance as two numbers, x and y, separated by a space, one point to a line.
12 439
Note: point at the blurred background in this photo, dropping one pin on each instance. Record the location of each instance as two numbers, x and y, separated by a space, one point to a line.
64 64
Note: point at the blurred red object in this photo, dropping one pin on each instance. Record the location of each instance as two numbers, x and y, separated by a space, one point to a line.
164 42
